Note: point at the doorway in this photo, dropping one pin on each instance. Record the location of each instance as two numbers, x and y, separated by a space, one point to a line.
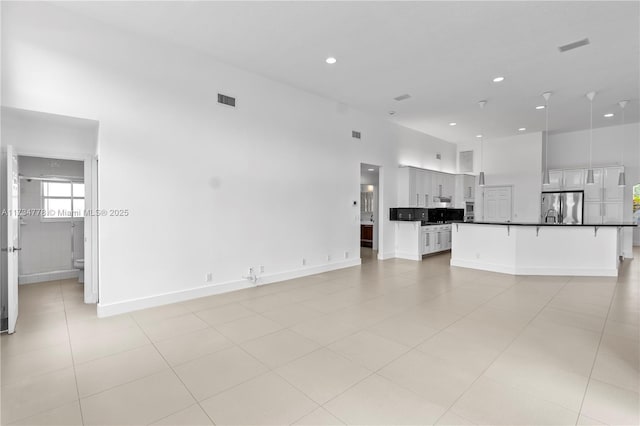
49 249
369 211
34 137
498 203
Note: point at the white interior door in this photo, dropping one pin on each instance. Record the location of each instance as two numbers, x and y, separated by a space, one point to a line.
497 204
12 238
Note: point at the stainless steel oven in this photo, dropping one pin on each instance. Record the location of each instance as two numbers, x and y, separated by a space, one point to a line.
468 211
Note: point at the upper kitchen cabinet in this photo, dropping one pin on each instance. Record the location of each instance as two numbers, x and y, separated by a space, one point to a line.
593 192
573 179
565 180
469 188
465 190
611 191
555 181
413 187
442 184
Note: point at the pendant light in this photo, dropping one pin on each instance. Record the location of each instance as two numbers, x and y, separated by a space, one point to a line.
546 180
590 180
481 181
622 180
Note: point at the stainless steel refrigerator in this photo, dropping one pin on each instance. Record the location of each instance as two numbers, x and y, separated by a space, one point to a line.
564 207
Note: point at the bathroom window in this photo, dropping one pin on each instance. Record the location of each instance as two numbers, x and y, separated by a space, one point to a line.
62 200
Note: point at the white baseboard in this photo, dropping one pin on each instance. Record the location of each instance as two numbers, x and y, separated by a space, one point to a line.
491 267
576 272
385 256
408 255
106 310
507 269
41 277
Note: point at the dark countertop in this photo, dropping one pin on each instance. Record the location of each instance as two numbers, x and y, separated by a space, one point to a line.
427 223
552 224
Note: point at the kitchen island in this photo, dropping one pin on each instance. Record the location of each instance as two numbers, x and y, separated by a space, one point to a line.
538 248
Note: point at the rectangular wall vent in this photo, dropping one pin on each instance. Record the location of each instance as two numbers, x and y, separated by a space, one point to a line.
402 97
226 100
356 135
574 45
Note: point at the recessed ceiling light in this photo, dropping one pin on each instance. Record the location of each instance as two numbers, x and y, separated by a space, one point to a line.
609 115
372 170
522 129
498 79
478 136
540 107
331 60
392 112
452 124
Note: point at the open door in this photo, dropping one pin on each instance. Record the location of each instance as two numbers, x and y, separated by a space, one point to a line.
13 221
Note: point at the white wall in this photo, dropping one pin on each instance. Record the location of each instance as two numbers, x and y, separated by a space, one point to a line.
46 245
209 188
513 161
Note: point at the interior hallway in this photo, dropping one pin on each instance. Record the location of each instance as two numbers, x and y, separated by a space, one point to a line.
390 342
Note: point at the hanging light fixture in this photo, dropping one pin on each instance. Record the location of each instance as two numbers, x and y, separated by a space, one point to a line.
545 178
622 180
481 181
590 180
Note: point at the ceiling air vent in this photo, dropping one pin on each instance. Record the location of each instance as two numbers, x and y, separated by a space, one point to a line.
356 135
226 100
402 97
574 45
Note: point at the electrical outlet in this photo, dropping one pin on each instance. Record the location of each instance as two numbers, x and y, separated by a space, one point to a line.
209 277
262 269
304 261
328 258
346 254
477 255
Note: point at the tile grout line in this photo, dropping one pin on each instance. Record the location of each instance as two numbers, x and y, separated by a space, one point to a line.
505 349
176 375
375 372
73 363
595 357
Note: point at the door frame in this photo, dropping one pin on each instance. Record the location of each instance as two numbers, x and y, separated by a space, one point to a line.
91 284
378 225
484 206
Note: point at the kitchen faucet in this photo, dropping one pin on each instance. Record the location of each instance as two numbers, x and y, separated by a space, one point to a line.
553 214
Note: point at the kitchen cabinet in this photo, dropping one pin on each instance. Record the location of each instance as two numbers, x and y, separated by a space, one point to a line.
592 213
565 180
436 238
611 191
427 240
414 186
573 179
555 181
469 188
612 212
593 192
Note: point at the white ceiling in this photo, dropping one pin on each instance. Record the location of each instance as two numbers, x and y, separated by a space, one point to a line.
444 54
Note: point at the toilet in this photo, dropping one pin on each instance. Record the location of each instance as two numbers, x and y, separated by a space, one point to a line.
79 264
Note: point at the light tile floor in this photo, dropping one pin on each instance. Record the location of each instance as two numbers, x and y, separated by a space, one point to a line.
392 342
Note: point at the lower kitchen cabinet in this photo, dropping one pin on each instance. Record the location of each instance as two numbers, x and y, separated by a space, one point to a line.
436 238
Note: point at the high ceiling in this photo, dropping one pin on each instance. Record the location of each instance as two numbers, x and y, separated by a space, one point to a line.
443 54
